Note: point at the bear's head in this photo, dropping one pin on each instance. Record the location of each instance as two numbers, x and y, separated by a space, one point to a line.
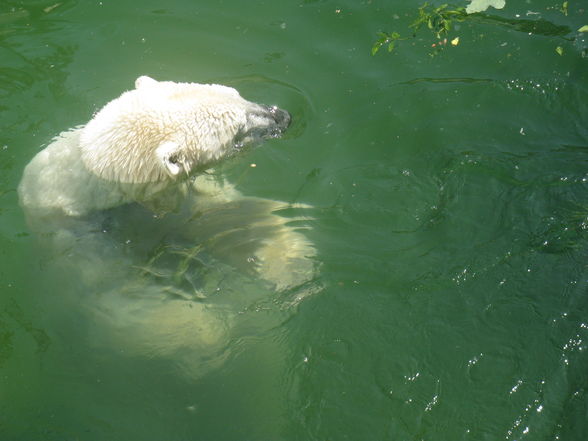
163 130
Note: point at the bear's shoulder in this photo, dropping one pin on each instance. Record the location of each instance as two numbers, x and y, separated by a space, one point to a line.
56 182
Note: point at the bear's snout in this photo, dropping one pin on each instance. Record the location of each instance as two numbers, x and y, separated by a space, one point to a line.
262 122
269 121
281 117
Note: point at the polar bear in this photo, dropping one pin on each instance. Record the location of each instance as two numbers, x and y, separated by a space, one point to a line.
141 143
147 146
140 169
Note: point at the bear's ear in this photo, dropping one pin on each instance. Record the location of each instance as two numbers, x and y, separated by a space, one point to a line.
143 81
170 157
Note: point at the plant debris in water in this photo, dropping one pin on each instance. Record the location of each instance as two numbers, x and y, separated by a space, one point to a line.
440 20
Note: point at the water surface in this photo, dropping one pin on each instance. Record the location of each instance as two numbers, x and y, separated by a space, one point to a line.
449 194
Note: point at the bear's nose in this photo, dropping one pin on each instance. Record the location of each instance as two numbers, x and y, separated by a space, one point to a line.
280 116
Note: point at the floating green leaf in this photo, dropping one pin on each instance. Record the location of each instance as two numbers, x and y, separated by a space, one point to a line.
482 5
559 50
438 19
583 29
385 38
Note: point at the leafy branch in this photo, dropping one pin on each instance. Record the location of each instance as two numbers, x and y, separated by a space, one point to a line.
384 39
438 19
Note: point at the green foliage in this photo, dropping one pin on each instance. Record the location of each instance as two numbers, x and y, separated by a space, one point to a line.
384 39
438 19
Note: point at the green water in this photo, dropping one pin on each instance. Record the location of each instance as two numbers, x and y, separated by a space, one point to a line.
450 217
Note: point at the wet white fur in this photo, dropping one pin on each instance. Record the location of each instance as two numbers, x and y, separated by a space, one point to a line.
135 147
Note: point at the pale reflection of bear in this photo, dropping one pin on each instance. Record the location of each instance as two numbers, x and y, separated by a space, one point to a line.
170 254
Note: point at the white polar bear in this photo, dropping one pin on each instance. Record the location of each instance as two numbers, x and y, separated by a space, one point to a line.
151 146
141 143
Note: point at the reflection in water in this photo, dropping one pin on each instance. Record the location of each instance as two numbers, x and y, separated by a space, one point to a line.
539 27
28 73
14 315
